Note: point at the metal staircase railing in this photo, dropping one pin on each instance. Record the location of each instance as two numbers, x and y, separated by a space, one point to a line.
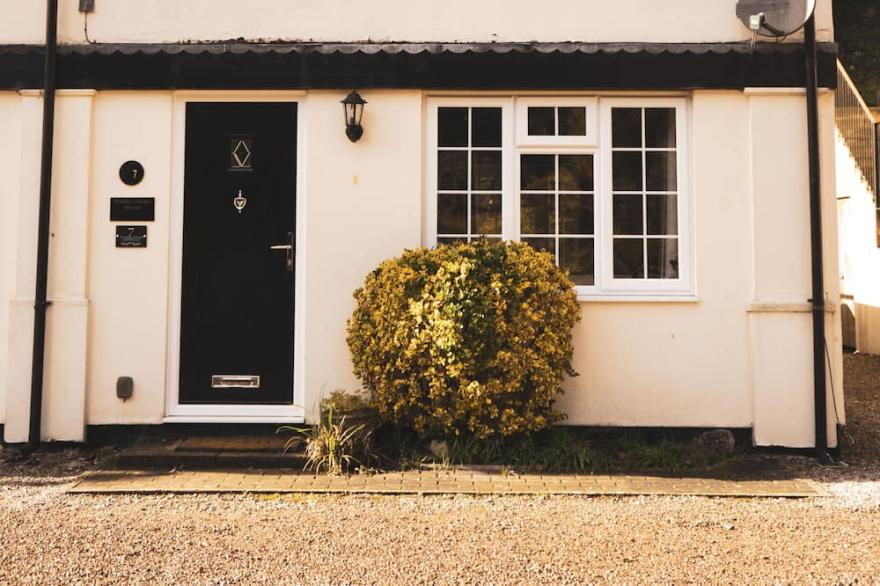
861 133
856 124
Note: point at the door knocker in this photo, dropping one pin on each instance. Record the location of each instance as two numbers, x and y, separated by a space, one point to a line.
239 201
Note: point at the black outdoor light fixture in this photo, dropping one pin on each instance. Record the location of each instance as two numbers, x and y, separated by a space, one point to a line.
354 111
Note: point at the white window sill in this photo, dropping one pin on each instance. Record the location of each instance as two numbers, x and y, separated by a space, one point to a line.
637 298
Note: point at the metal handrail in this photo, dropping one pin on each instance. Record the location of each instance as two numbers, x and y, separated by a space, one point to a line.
857 126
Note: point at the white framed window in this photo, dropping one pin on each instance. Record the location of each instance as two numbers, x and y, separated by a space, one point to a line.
611 204
469 176
557 121
646 224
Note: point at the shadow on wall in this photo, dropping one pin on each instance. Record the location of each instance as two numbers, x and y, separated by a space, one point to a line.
848 326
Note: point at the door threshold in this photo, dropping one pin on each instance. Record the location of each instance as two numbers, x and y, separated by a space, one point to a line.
233 419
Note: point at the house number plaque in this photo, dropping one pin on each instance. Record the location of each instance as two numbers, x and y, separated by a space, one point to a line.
131 236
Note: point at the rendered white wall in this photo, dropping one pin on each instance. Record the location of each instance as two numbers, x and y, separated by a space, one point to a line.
22 239
363 205
10 152
128 287
116 21
682 364
859 251
738 356
780 319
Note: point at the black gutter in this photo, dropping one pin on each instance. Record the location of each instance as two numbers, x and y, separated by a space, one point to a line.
818 295
40 295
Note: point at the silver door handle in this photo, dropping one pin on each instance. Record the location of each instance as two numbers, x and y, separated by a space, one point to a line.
288 248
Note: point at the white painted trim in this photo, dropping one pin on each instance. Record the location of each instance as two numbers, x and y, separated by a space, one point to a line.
232 413
235 419
781 91
776 307
588 298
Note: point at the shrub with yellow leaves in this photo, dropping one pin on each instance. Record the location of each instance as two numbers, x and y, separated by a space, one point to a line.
470 339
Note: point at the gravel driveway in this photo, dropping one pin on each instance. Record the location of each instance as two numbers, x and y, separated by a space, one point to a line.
48 537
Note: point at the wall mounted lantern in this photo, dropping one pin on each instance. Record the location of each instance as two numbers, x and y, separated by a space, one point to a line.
354 111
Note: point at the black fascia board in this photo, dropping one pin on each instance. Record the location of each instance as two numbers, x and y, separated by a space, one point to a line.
154 67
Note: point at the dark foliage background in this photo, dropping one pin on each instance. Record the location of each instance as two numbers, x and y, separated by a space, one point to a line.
857 31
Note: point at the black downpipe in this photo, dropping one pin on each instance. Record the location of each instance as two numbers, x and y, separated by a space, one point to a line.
818 300
40 296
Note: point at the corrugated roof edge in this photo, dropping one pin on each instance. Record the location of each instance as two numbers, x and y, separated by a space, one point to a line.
242 47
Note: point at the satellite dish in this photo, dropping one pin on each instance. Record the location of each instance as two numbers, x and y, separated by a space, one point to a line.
774 18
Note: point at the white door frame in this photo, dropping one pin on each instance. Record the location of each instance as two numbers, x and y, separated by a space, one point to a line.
174 411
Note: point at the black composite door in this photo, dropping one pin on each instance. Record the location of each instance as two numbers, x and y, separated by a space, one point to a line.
236 340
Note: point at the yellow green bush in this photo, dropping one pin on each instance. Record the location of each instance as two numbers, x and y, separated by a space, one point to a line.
468 339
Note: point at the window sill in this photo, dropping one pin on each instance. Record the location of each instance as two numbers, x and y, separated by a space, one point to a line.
637 298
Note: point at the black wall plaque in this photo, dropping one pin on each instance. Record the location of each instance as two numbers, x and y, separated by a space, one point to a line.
131 172
137 209
131 236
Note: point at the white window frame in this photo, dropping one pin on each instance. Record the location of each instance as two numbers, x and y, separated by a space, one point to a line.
683 285
582 290
507 174
515 142
522 121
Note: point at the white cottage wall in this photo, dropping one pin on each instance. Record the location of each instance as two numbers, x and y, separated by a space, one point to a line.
10 150
860 254
169 21
737 356
128 288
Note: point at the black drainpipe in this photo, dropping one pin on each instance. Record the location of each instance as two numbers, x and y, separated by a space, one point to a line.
40 300
818 300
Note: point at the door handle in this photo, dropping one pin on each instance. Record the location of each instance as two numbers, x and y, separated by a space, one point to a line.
287 248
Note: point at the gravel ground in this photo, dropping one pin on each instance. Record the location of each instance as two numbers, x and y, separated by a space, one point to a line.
48 537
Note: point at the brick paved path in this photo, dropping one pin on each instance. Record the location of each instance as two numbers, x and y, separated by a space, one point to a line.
431 482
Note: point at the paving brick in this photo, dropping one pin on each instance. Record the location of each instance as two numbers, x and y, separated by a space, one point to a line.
431 482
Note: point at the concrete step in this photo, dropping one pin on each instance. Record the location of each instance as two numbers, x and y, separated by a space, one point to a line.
201 454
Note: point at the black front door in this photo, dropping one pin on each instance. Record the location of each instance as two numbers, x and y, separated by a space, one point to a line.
236 340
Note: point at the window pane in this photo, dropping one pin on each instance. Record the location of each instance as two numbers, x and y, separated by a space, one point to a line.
542 121
538 172
662 258
576 172
660 127
629 258
451 240
486 213
545 244
452 170
627 215
572 121
660 172
452 127
627 171
662 212
486 170
626 127
575 213
537 213
452 213
486 131
576 255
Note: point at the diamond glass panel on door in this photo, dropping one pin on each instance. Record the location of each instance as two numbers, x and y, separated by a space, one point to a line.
241 153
